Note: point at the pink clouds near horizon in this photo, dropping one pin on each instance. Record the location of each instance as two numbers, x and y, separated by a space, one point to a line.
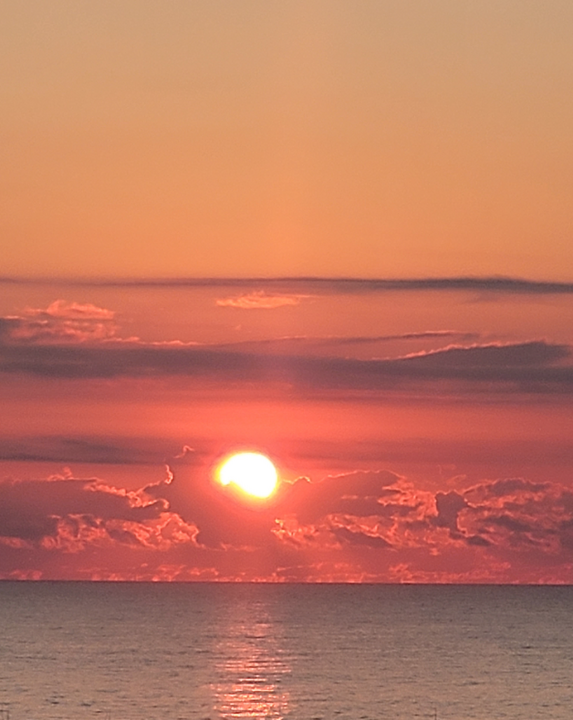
379 524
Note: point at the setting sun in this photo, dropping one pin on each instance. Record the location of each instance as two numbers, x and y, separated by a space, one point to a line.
252 472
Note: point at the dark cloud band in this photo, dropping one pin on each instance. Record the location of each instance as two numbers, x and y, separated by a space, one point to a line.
322 285
535 365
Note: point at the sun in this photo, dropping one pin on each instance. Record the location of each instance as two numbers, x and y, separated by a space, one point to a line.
251 472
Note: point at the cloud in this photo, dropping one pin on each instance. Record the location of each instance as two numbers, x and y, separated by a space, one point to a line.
449 506
534 366
492 355
322 285
355 493
375 526
426 335
353 537
222 521
349 509
60 322
34 510
260 300
504 516
317 345
80 449
518 514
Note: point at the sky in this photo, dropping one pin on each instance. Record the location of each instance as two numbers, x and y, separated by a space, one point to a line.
339 234
372 139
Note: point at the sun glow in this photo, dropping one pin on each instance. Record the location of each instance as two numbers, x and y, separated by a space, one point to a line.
251 472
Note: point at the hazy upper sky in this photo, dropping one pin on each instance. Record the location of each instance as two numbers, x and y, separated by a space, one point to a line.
261 137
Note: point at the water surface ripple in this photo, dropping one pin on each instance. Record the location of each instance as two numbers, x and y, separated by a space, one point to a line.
115 651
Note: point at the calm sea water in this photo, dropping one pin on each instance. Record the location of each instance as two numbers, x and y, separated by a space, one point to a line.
195 651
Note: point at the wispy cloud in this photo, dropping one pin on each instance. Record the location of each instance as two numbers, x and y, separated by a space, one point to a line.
303 344
81 449
260 300
491 355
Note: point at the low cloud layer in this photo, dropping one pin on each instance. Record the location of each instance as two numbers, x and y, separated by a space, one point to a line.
36 510
374 526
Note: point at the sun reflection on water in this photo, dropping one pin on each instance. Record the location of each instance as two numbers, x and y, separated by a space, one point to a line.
251 668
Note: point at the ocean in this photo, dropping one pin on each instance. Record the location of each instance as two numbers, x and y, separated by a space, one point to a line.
138 651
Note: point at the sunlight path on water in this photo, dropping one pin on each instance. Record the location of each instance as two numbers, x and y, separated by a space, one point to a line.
251 666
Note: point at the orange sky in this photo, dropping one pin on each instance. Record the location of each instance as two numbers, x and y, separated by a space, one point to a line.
337 233
207 138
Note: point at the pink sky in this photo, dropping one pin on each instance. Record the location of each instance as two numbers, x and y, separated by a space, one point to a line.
440 453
